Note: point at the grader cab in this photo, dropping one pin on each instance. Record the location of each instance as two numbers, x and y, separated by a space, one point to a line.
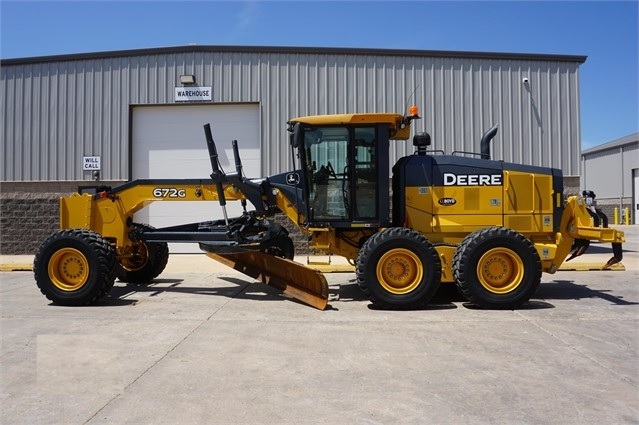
490 227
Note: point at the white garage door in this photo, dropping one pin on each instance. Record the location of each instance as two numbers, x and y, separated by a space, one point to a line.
168 142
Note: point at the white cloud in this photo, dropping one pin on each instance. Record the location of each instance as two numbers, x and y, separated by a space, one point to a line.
247 14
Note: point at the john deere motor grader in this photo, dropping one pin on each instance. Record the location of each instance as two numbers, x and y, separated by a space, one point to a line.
490 227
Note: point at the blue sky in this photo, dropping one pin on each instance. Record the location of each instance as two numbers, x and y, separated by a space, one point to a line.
606 31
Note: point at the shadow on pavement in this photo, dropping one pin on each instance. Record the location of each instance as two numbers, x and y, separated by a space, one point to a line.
350 292
602 248
445 297
243 290
569 290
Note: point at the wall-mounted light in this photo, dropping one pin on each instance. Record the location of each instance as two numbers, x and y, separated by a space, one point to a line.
187 79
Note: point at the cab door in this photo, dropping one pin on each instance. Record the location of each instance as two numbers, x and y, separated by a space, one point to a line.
346 175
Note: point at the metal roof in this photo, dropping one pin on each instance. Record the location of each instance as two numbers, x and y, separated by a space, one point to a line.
299 50
623 141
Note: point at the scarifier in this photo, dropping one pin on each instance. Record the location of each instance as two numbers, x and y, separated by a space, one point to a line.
490 227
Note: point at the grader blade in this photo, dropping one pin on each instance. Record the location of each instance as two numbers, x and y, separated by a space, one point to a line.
293 279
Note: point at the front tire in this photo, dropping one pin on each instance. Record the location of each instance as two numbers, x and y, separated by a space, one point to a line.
398 268
74 267
497 268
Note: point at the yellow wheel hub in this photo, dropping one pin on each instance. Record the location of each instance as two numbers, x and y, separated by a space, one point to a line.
135 257
500 270
399 271
68 269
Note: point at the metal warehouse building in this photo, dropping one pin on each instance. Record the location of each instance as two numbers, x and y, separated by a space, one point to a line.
611 170
139 114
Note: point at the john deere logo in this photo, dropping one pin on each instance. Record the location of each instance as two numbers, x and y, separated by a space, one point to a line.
292 179
447 201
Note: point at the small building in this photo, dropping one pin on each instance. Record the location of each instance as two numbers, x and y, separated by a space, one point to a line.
611 170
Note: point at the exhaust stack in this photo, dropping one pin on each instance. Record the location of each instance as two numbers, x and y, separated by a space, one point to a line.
484 145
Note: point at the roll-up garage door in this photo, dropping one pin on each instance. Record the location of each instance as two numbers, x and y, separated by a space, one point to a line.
168 142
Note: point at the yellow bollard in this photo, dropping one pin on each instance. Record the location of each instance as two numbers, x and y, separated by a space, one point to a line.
627 211
616 216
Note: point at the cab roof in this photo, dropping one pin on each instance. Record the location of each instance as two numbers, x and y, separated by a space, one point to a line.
398 131
337 119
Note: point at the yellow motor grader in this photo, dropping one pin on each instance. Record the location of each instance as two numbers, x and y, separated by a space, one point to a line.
490 227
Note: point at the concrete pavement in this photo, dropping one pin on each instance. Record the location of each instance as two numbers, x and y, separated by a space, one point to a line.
203 344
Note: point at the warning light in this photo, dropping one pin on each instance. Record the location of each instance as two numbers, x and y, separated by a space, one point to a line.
413 111
103 194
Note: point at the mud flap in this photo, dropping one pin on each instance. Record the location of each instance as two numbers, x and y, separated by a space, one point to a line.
293 279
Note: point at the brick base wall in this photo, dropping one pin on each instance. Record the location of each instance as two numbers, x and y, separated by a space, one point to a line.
26 219
571 186
29 214
299 239
608 206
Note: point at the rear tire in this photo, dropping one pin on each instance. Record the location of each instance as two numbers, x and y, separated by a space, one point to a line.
398 268
144 262
74 267
497 268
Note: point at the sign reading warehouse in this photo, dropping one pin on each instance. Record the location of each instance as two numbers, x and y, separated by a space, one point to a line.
189 94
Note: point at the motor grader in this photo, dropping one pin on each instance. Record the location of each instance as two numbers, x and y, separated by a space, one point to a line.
490 227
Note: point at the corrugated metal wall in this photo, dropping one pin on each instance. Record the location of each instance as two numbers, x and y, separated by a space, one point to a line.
608 172
55 112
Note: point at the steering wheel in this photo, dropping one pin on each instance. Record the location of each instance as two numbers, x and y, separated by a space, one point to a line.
329 168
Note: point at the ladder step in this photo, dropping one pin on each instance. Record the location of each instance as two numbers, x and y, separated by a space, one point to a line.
318 263
323 247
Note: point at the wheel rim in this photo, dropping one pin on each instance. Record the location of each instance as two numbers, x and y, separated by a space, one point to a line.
68 269
399 271
500 270
136 258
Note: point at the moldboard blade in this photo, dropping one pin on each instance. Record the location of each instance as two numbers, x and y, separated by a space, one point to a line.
293 279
